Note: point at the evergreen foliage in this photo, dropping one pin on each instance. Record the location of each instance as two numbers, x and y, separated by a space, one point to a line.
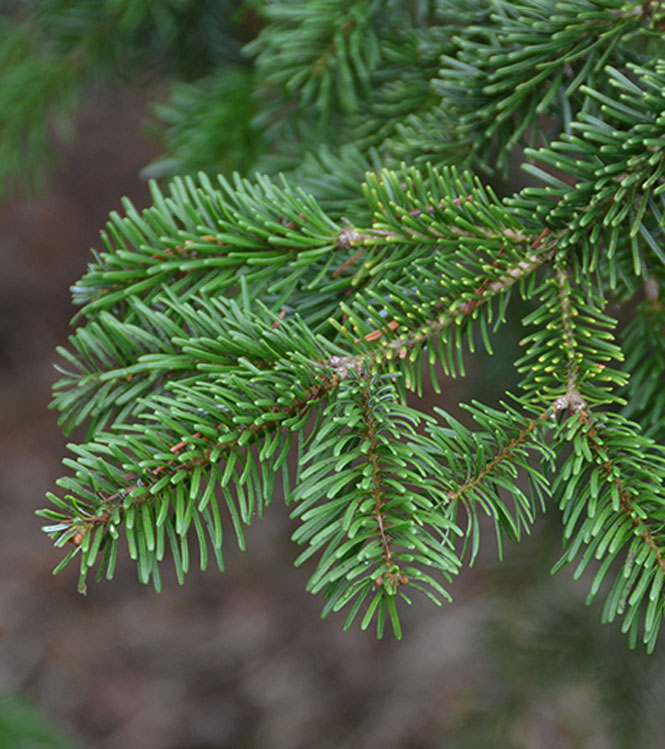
248 333
53 52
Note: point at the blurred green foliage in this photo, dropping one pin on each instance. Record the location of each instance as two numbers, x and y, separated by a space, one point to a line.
22 726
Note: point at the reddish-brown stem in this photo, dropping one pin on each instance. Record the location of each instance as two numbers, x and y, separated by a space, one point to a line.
502 455
508 279
347 263
282 315
391 574
313 394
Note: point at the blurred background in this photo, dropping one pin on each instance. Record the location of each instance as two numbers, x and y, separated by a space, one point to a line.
243 660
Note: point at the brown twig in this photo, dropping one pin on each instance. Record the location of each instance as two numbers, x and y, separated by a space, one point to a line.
391 575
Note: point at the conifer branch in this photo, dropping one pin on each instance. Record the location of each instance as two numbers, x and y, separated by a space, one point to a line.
139 487
456 311
613 475
391 575
504 454
238 324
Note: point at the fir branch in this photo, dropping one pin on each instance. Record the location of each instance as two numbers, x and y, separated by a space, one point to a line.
335 49
362 506
506 453
617 166
454 312
379 494
612 475
568 358
473 469
232 326
505 73
188 409
255 228
611 492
